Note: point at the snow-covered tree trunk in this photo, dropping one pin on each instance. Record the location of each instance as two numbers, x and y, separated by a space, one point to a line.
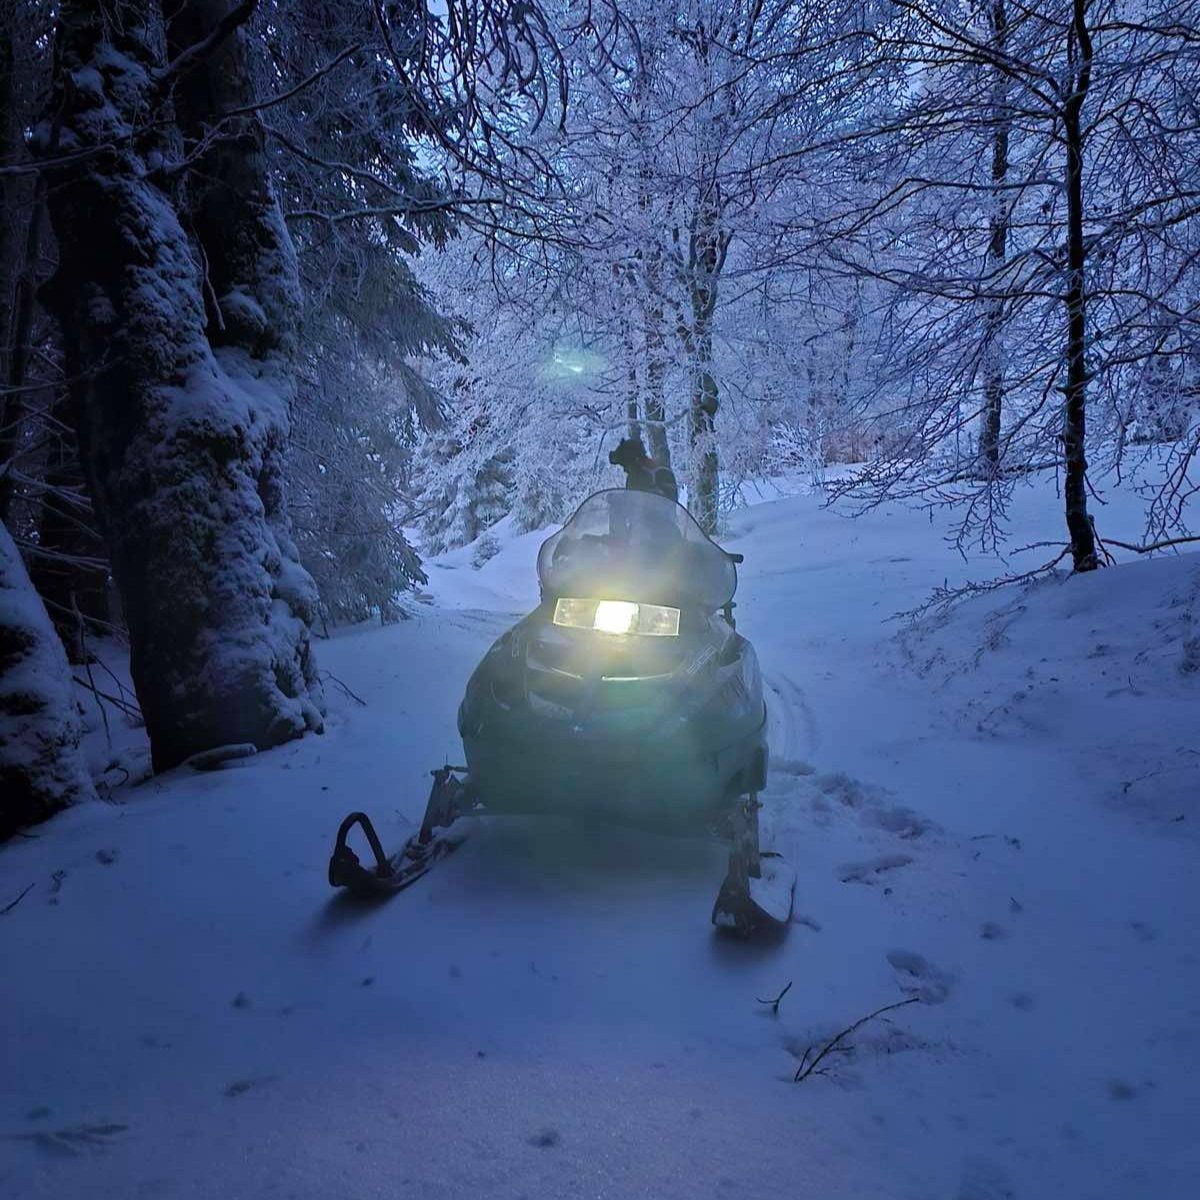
180 349
709 246
41 768
656 361
703 433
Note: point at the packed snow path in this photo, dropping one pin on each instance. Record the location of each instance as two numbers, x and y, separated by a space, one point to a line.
995 814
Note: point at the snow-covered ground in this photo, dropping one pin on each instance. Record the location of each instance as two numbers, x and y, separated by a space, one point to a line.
994 811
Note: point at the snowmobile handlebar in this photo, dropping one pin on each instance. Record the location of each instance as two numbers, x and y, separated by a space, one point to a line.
736 558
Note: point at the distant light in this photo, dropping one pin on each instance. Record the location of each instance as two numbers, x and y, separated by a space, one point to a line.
573 362
567 362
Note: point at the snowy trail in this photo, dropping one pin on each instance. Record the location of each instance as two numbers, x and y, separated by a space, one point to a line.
548 1013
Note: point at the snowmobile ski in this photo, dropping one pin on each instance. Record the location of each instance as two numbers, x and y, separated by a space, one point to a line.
757 893
448 800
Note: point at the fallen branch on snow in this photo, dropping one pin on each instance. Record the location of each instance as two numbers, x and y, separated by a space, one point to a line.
13 903
334 679
775 1003
946 597
806 1068
218 756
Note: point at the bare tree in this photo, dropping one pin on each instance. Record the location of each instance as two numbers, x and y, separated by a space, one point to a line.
1024 281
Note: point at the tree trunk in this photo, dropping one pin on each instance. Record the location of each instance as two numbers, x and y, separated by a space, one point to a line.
703 431
9 145
21 327
632 408
656 361
710 246
1079 523
183 407
21 207
993 345
41 768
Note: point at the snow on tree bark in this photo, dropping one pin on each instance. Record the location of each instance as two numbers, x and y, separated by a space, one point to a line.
41 768
184 408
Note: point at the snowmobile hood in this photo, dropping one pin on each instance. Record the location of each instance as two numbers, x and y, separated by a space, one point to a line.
637 546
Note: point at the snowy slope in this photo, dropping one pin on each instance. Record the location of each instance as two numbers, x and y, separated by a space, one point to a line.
994 811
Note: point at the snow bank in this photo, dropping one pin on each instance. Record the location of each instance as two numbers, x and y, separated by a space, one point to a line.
1101 669
41 770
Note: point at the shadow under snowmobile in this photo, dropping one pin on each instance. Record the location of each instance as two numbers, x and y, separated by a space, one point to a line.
755 898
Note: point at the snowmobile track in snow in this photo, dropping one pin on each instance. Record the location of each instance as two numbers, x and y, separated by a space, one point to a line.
793 728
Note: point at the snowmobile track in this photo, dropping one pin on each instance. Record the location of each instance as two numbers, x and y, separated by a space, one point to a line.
793 728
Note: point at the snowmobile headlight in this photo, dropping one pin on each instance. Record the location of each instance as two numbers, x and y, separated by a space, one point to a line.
618 617
575 614
658 620
615 616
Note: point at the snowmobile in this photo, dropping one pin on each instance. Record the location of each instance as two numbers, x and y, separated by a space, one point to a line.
626 695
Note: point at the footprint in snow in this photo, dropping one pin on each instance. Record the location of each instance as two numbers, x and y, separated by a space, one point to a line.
917 976
903 822
241 1086
73 1140
867 872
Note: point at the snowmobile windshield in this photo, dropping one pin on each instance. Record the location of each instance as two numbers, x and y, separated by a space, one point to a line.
640 546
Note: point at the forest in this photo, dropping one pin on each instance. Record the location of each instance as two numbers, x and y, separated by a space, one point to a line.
285 281
314 314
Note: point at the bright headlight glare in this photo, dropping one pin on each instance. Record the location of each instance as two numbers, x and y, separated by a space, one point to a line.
617 617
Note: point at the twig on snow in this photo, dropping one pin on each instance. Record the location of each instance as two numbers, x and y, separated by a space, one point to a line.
775 1003
806 1068
334 679
13 903
945 598
87 662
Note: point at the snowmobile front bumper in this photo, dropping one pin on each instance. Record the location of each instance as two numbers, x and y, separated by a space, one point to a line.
669 781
